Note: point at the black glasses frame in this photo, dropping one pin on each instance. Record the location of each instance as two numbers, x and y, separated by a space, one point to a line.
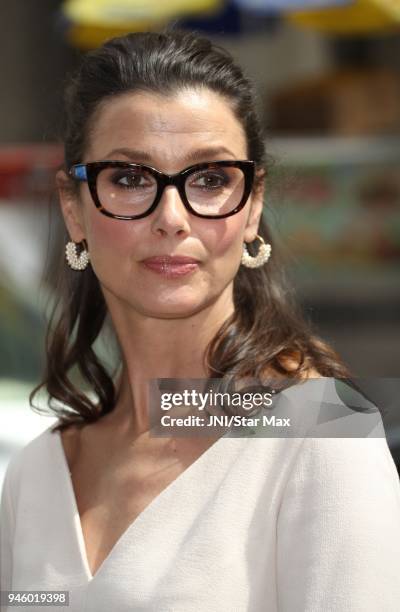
90 171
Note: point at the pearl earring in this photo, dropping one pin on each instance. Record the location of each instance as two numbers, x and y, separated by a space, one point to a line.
260 259
75 261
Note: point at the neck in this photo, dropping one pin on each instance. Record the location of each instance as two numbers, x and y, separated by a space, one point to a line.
160 348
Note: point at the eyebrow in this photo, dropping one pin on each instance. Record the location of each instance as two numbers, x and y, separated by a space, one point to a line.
198 154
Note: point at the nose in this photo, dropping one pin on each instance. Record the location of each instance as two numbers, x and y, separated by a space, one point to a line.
171 216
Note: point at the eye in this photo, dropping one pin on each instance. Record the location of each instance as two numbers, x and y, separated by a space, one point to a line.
132 179
209 179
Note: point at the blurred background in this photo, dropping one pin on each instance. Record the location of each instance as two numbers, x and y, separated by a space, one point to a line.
328 80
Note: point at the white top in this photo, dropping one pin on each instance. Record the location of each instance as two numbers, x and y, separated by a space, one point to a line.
294 524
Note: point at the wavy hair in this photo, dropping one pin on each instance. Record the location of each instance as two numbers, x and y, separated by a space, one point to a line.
267 329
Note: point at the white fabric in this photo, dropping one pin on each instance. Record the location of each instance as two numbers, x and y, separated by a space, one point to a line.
253 525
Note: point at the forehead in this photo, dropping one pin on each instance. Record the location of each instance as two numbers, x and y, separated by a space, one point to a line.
168 128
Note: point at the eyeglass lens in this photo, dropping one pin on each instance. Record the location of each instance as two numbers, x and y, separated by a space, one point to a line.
132 191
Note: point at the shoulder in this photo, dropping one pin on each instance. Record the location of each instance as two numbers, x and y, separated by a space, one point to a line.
24 459
351 470
339 524
345 491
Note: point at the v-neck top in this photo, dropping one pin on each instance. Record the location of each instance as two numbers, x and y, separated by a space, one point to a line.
286 524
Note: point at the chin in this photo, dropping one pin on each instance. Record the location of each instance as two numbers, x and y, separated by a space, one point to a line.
173 310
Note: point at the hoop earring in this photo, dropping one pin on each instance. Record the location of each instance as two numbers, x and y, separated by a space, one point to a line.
75 261
258 260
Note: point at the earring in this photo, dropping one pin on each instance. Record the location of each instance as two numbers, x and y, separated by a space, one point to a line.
260 259
75 261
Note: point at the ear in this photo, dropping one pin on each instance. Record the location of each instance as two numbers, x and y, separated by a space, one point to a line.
70 207
256 208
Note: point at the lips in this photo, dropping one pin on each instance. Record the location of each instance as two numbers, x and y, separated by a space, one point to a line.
171 260
171 266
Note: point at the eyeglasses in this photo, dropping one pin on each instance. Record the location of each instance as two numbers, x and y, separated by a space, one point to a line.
124 190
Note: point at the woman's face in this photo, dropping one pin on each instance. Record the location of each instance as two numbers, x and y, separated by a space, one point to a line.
172 133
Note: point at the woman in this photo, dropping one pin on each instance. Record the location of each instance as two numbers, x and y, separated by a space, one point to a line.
162 196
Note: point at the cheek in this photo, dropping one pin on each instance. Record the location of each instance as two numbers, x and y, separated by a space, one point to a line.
111 242
224 240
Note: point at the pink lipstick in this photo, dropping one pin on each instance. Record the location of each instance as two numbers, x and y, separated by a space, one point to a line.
171 266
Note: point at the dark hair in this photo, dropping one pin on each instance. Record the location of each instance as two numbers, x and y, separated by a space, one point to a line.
267 329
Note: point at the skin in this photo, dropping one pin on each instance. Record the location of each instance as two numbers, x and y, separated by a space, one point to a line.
163 325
